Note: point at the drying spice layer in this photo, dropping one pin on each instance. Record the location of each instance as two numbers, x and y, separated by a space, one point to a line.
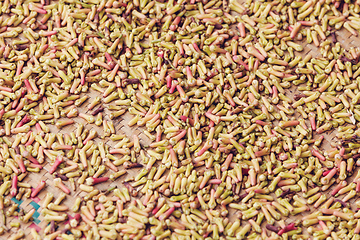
232 119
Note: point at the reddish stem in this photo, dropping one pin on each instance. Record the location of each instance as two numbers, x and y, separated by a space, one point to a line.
261 123
204 149
166 214
215 181
175 23
82 77
21 164
357 189
342 151
326 173
13 190
184 118
173 86
30 158
287 228
2 111
28 86
36 190
6 89
239 61
316 153
57 162
23 121
211 124
312 120
38 128
93 181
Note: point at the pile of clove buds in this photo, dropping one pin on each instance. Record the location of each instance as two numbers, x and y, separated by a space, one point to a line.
235 119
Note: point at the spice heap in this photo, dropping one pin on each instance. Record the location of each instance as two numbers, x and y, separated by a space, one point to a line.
235 116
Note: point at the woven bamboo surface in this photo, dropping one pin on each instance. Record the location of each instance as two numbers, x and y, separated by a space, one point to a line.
121 125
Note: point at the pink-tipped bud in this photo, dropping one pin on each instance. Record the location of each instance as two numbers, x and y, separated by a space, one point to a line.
59 184
166 214
184 118
23 121
57 162
316 153
36 190
13 190
93 181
